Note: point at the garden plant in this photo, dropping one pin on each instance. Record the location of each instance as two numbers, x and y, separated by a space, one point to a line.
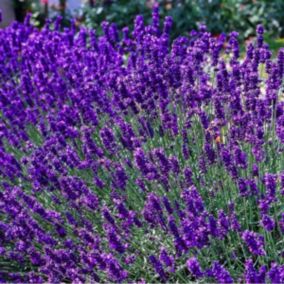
129 157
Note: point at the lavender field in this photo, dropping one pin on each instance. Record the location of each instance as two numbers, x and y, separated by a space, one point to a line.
129 157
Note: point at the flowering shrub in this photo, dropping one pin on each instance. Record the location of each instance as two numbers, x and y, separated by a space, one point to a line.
128 158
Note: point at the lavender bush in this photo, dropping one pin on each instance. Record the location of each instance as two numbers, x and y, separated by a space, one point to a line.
130 158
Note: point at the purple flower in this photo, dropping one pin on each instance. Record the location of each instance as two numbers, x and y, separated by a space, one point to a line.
174 165
167 259
268 223
254 241
120 178
167 205
223 223
168 22
163 161
115 272
276 273
252 275
108 139
193 266
220 273
270 184
193 200
260 32
115 242
240 157
173 227
158 267
188 176
153 212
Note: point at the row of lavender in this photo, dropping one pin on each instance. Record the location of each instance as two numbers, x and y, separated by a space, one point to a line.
128 158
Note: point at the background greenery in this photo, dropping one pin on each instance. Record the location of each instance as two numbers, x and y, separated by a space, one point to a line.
219 15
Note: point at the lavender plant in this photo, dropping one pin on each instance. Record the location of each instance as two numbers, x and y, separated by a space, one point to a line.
130 158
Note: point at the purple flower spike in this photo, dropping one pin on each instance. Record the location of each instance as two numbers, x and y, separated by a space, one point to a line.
194 267
268 223
254 241
221 274
158 267
252 275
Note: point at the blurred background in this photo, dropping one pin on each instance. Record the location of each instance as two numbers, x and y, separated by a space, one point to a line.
220 16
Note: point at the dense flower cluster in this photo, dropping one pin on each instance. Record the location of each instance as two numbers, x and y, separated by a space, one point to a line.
125 157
